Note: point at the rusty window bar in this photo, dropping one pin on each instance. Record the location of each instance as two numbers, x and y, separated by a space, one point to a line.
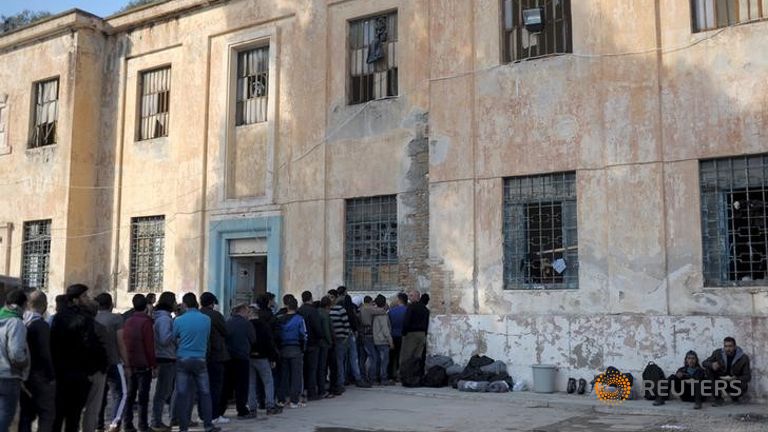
36 252
147 252
155 103
252 86
714 14
734 220
555 38
541 247
46 113
370 249
373 58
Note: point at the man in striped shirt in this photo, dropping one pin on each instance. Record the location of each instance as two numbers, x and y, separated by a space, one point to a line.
341 333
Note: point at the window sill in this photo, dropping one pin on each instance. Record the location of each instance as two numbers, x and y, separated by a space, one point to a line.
40 149
152 141
386 98
536 289
5 150
757 289
704 32
531 59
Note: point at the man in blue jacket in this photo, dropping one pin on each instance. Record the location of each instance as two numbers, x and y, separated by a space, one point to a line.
191 331
293 336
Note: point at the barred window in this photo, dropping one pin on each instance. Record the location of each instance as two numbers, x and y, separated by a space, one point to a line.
36 254
370 250
252 85
46 113
373 58
713 14
541 245
155 103
147 250
734 220
553 38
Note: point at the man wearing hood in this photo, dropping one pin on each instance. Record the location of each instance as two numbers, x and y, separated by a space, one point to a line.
686 381
165 353
14 355
367 314
730 364
39 402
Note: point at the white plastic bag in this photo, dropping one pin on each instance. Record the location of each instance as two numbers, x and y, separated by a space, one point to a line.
520 385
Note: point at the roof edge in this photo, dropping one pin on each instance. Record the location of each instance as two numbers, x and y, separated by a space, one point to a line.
73 19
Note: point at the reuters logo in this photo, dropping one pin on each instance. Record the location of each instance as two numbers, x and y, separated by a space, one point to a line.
612 388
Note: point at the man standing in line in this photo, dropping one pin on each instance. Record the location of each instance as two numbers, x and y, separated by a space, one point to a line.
77 354
324 347
139 337
312 352
165 351
116 383
240 337
191 331
292 344
14 356
396 316
40 402
415 326
218 355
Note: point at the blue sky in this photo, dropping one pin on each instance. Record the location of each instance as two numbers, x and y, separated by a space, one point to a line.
98 7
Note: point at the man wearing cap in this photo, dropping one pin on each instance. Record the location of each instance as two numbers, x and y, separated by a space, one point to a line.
218 355
77 353
14 355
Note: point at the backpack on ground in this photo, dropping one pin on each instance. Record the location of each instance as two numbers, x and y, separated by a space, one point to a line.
654 374
436 377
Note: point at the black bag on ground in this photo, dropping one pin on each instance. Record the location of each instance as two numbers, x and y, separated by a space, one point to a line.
654 374
436 377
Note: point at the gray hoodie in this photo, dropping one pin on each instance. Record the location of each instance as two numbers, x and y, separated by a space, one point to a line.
165 344
14 355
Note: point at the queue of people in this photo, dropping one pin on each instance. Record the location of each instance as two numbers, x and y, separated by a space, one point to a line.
89 368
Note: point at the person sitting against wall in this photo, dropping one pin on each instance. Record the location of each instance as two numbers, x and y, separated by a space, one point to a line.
731 365
686 382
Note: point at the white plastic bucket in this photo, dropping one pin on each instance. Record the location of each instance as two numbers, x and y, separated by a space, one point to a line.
544 378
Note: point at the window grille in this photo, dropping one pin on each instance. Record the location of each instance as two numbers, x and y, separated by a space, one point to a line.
540 232
147 250
36 253
555 38
155 103
734 220
370 252
252 85
713 14
46 113
373 58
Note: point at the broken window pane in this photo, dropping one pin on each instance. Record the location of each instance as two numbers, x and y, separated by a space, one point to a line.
36 253
147 251
734 220
373 58
46 113
370 249
540 232
252 86
554 38
155 103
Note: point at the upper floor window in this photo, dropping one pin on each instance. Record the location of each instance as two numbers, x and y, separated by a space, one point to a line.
373 58
36 253
45 113
147 253
155 103
541 243
734 220
252 85
370 246
535 28
712 14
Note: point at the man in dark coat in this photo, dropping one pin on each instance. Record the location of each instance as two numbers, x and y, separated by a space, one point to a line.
729 364
312 352
218 355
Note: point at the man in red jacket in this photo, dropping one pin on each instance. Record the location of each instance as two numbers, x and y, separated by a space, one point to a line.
139 338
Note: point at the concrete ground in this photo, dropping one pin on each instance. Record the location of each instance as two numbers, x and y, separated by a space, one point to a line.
392 409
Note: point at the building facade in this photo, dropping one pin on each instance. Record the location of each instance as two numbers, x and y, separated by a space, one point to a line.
586 190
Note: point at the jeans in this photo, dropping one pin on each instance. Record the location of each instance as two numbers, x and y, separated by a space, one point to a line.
216 386
166 372
372 360
93 404
10 390
292 372
322 370
333 370
192 373
71 395
353 358
383 351
340 349
261 374
139 383
237 379
310 370
394 358
41 405
117 386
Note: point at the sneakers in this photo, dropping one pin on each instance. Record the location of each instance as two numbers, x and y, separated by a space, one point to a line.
113 428
220 420
274 411
571 386
160 428
296 405
249 416
582 386
363 384
387 383
213 429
